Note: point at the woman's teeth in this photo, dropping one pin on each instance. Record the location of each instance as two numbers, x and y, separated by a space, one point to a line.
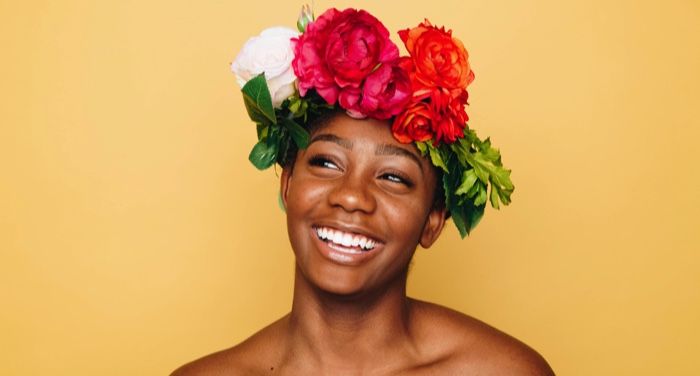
345 239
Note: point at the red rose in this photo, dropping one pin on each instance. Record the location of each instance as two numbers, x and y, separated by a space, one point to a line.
441 118
451 117
439 60
414 124
339 50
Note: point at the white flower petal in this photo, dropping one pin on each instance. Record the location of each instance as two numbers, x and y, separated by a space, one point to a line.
270 52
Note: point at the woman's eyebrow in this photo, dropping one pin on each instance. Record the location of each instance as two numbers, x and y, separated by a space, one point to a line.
332 138
388 149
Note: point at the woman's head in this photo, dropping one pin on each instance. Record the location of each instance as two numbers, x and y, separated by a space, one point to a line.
358 203
345 61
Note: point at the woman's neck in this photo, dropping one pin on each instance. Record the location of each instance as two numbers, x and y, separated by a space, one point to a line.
338 330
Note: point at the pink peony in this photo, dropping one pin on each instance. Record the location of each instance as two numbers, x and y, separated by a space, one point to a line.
338 51
385 92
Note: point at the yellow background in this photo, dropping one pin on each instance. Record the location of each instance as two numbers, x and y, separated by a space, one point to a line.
135 235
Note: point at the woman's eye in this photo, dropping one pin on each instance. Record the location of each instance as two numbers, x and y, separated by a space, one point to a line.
396 178
323 162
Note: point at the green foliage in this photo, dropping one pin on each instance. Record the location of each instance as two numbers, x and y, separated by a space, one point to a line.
275 127
263 154
472 167
299 134
422 147
297 106
258 101
436 157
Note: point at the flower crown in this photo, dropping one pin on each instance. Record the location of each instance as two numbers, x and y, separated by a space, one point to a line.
345 60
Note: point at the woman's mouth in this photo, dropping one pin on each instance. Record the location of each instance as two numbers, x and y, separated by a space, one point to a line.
346 242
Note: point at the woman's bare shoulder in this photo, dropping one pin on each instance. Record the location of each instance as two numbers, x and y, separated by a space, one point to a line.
464 343
254 356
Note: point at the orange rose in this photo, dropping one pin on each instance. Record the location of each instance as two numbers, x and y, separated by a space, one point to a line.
414 123
439 60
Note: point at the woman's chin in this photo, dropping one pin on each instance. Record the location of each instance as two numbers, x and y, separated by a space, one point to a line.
340 285
332 280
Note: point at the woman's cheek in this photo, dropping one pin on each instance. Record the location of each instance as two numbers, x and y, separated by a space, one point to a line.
309 190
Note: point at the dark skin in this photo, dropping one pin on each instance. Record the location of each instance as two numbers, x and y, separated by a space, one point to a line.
350 313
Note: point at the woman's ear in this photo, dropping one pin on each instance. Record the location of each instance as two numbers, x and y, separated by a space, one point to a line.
433 226
284 185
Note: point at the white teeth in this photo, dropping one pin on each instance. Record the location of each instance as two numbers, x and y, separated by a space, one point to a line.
345 239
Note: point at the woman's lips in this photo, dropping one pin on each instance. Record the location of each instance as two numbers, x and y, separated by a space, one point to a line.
347 240
345 247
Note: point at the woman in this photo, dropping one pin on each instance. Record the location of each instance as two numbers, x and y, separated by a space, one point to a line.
359 199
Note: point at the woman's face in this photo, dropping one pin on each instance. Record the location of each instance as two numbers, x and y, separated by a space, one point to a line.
358 203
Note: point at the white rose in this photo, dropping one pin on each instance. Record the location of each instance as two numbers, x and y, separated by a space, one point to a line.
270 52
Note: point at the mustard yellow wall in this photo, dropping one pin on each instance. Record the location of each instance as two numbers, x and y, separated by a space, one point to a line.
135 236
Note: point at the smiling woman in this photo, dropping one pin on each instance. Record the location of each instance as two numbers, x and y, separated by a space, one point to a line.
381 159
358 204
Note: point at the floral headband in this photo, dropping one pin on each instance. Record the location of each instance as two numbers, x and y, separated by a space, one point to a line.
345 60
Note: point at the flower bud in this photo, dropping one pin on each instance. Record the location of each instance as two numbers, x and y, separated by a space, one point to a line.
306 16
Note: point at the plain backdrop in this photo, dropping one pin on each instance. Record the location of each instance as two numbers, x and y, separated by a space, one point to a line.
135 235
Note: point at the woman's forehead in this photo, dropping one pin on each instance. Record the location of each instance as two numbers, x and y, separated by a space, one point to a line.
367 130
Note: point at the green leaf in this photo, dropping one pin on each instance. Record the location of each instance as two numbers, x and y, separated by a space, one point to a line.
474 167
501 184
458 212
493 197
299 134
481 196
471 193
461 222
475 215
504 195
263 155
422 147
481 166
460 150
297 105
468 180
294 105
262 130
282 145
466 217
501 177
486 162
258 101
436 157
491 154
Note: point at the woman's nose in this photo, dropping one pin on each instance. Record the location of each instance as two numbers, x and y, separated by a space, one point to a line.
353 193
